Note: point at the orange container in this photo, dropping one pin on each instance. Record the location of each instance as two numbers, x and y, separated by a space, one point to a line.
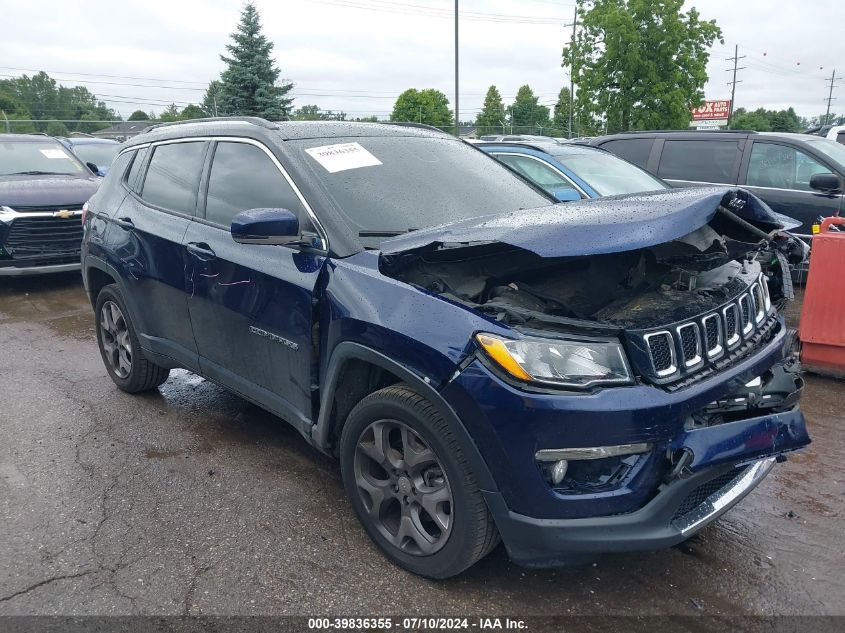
822 325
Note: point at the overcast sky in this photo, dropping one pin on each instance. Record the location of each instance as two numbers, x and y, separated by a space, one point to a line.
357 59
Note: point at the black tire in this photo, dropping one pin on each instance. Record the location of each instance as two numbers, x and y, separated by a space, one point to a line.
132 373
471 532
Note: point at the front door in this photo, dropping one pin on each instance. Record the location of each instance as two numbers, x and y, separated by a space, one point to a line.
251 305
780 176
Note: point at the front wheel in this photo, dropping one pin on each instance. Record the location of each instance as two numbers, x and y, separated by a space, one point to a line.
119 346
411 486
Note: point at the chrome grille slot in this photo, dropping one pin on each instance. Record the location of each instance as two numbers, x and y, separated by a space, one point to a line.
712 325
661 348
731 314
759 303
746 312
690 344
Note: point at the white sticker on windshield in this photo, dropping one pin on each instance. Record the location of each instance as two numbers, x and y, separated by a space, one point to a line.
343 156
53 153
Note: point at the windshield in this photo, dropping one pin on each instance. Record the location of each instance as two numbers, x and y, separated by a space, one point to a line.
609 175
831 149
390 185
101 154
37 157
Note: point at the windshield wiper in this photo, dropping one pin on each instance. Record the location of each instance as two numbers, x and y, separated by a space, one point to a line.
383 233
35 172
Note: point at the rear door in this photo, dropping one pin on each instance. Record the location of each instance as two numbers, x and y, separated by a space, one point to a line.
696 162
146 239
779 174
251 305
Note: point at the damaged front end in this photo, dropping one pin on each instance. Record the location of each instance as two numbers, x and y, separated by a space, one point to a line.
683 308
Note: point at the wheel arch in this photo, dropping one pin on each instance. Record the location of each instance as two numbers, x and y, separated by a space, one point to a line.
351 364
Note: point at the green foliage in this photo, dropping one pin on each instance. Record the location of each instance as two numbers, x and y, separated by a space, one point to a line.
427 106
526 111
366 119
639 64
170 113
313 113
40 97
192 111
248 85
211 98
139 115
56 128
561 116
493 113
762 120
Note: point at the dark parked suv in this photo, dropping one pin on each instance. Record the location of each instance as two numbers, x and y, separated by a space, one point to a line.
42 189
798 175
607 375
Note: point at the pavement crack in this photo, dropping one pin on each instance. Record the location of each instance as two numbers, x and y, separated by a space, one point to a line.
46 582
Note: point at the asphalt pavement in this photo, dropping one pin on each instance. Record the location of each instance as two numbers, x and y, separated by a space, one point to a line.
189 500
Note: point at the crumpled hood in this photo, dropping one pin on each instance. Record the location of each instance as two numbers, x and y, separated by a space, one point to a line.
21 192
592 227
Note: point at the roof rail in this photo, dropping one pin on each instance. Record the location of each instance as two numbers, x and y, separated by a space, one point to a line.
422 126
254 120
686 132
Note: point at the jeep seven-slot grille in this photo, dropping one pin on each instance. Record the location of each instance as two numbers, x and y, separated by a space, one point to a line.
44 236
710 337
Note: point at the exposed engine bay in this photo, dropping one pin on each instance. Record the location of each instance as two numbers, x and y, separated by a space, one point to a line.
636 289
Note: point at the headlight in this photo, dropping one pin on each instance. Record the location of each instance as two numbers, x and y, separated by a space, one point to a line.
559 362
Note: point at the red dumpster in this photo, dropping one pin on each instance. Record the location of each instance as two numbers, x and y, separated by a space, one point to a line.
822 325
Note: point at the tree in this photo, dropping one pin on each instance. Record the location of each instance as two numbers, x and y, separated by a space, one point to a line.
314 113
493 112
192 111
640 63
762 120
427 106
561 117
56 128
170 113
211 98
526 111
139 115
248 85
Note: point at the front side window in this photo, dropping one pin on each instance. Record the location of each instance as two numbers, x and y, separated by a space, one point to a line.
699 161
781 167
537 172
609 175
243 177
634 150
38 158
101 154
173 176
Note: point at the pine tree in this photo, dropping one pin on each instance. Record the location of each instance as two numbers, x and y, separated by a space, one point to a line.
249 81
561 112
493 113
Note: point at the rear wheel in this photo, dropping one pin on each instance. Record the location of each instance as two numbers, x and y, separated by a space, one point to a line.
411 487
119 346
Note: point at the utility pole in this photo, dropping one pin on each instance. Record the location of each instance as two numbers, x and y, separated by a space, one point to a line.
571 75
830 98
735 59
457 116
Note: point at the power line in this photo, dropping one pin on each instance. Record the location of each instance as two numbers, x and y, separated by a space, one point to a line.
431 11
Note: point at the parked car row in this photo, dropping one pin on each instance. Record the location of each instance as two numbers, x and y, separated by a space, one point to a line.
486 364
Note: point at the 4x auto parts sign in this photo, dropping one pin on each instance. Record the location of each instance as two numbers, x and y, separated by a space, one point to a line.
712 111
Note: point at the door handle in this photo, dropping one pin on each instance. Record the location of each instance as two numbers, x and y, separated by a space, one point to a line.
201 251
125 223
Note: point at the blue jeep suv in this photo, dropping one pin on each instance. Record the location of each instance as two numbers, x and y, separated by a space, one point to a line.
600 376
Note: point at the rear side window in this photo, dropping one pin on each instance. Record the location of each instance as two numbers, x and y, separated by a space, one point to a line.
244 177
634 150
173 176
840 138
701 161
132 179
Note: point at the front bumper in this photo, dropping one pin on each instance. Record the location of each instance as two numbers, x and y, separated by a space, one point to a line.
663 522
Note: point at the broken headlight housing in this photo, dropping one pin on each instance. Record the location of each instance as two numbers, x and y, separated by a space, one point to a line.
557 362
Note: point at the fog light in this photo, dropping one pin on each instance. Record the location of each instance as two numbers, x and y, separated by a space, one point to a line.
559 471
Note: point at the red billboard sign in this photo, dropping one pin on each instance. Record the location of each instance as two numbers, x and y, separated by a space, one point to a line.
712 110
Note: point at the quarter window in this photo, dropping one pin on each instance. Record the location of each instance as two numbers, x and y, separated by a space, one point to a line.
698 161
173 176
243 177
781 167
132 180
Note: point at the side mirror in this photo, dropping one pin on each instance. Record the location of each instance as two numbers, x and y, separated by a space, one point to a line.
266 226
93 168
566 194
829 183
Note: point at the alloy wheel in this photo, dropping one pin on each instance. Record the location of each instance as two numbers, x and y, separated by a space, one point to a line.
403 487
114 334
